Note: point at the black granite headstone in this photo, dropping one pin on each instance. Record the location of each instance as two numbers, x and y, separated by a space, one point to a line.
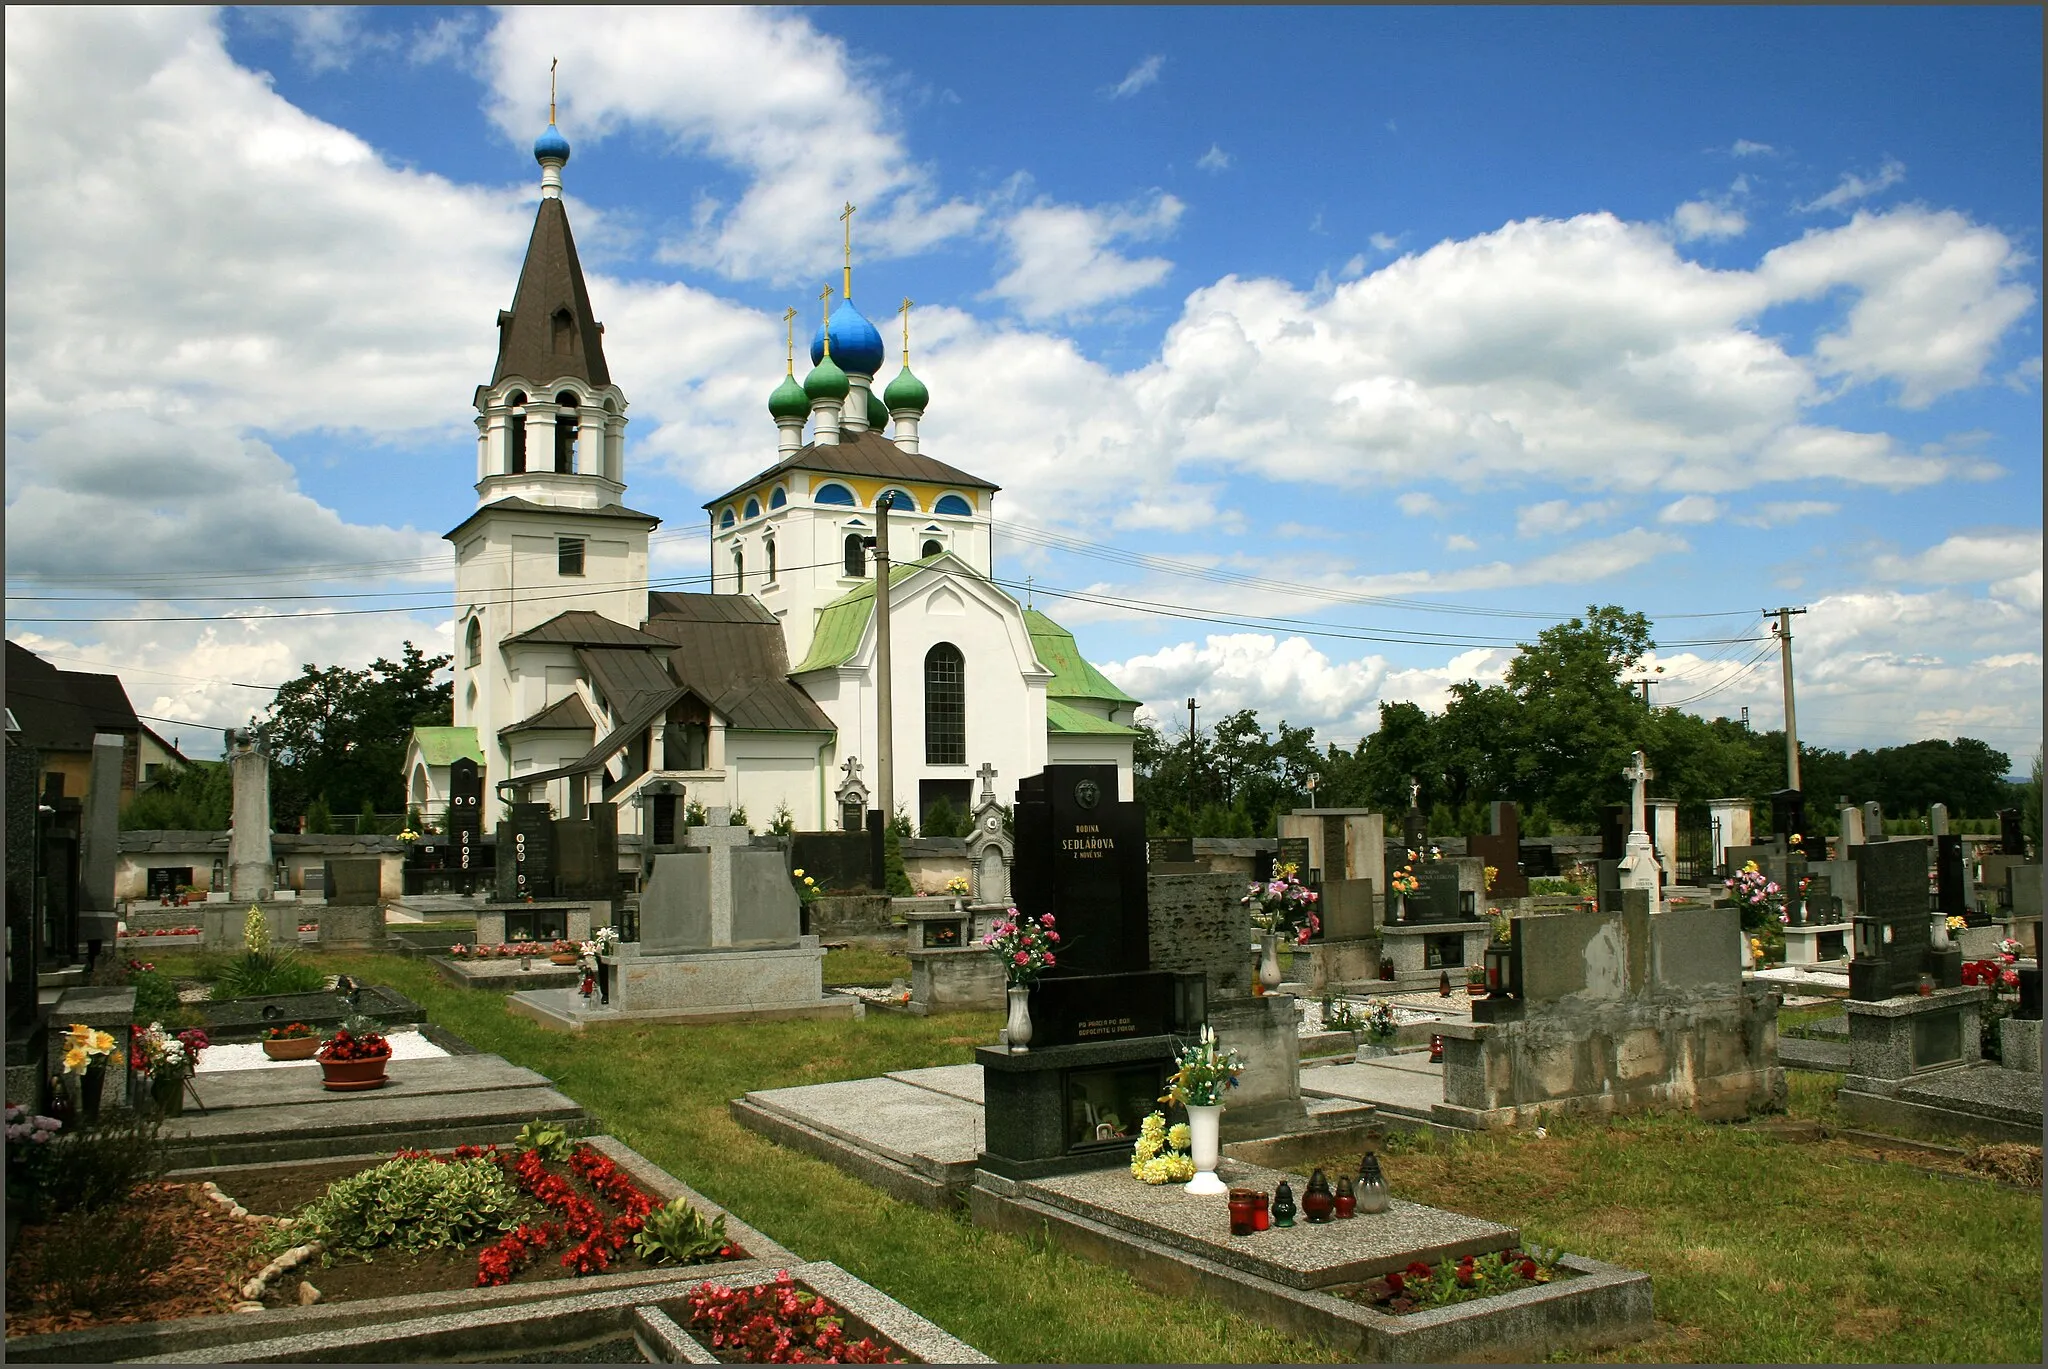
166 880
526 843
1822 907
2012 837
1614 821
1080 855
1294 851
1951 877
1788 818
1891 928
1437 900
1414 831
2030 993
1539 860
465 797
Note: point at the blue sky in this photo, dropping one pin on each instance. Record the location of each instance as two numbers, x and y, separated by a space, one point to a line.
1494 312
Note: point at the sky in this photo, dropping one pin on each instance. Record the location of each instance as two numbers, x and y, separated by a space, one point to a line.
1322 354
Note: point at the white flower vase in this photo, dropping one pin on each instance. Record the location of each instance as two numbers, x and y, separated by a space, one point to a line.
1940 937
1205 1127
1017 1032
1269 961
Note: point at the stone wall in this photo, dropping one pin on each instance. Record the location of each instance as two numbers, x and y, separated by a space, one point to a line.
837 915
1198 924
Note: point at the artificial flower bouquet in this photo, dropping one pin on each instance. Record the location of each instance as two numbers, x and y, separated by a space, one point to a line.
959 887
607 939
1161 1154
1284 904
1755 891
1380 1024
291 1031
1202 1073
88 1049
806 887
165 1055
1025 946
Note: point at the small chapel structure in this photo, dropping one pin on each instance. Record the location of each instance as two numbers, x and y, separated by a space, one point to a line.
575 683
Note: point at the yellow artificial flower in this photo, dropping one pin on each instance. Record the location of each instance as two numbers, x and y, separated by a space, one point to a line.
75 1060
798 873
102 1042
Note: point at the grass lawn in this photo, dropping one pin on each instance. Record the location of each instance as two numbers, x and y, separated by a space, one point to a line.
1762 1248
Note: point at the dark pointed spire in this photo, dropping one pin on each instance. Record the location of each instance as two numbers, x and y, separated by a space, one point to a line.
549 333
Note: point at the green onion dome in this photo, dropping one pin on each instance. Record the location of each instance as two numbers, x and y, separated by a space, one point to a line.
906 391
878 417
789 400
826 381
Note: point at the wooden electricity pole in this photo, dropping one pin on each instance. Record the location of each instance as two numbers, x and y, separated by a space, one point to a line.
1783 627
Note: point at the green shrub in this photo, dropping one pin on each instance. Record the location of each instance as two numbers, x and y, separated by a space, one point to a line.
551 1141
254 974
679 1234
892 864
156 997
411 1204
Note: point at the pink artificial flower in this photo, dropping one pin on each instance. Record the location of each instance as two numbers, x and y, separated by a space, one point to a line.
1021 958
1046 919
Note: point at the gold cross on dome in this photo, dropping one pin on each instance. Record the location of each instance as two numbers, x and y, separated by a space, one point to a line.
789 323
553 62
825 300
904 309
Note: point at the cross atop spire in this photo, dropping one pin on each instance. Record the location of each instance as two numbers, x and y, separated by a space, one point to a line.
553 62
825 299
789 324
904 309
846 217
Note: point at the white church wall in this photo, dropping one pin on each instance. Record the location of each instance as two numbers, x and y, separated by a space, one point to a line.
768 769
1086 749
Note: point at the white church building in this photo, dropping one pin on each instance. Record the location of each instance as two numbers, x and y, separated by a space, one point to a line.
575 683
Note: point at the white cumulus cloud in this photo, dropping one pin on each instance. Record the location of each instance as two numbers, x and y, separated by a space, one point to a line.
1853 187
1066 257
1696 219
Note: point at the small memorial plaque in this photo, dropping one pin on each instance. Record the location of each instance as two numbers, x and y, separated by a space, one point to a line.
1294 851
1443 952
1937 1040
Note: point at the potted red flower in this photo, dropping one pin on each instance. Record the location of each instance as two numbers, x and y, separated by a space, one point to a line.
355 1056
294 1041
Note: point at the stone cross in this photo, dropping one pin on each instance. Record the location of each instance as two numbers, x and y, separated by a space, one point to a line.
1639 775
1414 791
852 769
987 775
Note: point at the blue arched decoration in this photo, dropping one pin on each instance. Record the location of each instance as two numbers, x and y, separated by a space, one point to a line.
902 503
778 498
833 493
953 504
753 508
726 519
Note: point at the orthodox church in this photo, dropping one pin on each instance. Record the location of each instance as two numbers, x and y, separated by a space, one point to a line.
576 683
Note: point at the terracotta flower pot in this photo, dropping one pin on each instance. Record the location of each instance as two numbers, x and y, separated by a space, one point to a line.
567 958
292 1048
345 1075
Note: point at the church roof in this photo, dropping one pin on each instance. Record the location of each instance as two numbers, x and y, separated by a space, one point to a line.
565 715
624 676
866 454
581 627
512 503
841 622
447 745
1062 717
1072 676
729 651
530 344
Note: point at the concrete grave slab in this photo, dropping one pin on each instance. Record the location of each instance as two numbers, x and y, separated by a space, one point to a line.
960 1081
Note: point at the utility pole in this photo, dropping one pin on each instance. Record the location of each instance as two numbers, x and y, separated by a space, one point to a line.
885 709
1194 751
1783 627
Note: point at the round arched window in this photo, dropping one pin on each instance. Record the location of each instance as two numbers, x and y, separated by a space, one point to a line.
954 505
945 706
833 493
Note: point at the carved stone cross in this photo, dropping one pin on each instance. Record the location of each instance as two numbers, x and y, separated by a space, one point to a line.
987 776
852 769
1638 775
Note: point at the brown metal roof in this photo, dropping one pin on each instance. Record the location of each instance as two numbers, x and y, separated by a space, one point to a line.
566 715
550 283
624 675
729 651
514 504
869 455
60 710
581 627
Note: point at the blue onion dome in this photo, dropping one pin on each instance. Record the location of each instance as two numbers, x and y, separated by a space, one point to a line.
789 400
551 146
878 417
906 391
855 343
826 381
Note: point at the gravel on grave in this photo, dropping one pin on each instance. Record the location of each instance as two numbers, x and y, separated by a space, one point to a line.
248 1055
1423 1006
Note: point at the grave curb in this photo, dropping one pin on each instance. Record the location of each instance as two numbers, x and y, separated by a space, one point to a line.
188 1339
616 1310
546 1017
892 1177
1913 1118
1605 1304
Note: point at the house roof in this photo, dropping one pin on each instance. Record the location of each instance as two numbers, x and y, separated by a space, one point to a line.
567 714
1072 676
623 675
447 745
60 710
512 503
581 627
729 651
868 455
550 282
1062 717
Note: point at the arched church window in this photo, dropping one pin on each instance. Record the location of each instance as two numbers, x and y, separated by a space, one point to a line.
833 493
900 501
565 434
473 644
771 560
753 508
727 519
856 556
562 333
931 549
953 504
515 434
945 706
739 570
778 498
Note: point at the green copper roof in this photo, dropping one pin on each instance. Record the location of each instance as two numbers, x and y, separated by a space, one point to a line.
906 391
841 622
1061 717
447 745
788 400
1072 676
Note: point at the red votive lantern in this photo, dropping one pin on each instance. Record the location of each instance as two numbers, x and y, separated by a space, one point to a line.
1244 1211
1347 1201
1262 1219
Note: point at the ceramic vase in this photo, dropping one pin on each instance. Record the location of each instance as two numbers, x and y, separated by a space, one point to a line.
1269 961
1017 1032
1205 1128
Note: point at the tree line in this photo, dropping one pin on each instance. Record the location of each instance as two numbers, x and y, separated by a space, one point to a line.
1554 736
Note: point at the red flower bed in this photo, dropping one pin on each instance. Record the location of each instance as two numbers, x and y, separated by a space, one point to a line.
346 1045
779 1323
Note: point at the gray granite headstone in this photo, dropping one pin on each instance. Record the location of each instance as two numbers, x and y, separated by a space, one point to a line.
353 882
251 864
102 834
675 906
765 909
